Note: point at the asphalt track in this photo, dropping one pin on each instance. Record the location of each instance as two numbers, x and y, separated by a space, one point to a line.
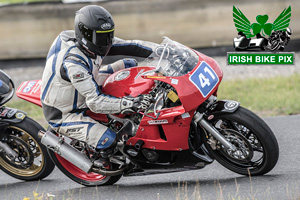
213 182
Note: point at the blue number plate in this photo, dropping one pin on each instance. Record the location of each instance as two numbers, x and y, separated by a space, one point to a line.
204 78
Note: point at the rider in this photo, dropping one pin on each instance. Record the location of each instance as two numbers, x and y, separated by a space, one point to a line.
73 78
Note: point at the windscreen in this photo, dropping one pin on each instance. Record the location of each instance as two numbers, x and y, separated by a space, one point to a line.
171 58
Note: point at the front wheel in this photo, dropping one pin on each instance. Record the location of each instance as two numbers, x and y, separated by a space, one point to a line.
33 161
257 149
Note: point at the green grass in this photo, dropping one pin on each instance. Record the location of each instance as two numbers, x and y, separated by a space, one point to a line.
268 97
31 109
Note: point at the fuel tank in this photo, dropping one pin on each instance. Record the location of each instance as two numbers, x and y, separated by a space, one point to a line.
128 82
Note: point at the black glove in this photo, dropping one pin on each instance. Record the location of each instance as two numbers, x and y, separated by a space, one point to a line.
133 104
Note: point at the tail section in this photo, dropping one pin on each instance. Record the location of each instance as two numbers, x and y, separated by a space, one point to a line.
30 91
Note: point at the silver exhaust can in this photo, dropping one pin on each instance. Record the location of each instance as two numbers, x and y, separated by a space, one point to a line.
53 142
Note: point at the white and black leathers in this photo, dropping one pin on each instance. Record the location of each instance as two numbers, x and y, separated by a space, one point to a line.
71 83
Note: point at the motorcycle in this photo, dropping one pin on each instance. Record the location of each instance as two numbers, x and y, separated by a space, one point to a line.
22 155
185 128
279 39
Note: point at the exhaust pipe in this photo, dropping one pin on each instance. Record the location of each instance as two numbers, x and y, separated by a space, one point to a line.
53 142
108 173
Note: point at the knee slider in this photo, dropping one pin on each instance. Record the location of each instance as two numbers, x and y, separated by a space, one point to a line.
107 140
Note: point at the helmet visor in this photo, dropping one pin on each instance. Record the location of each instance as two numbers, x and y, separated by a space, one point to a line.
103 38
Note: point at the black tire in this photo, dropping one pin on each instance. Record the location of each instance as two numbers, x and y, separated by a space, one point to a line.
257 133
281 48
41 165
80 176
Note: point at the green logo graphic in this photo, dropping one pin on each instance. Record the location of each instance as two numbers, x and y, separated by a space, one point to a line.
269 36
243 25
260 36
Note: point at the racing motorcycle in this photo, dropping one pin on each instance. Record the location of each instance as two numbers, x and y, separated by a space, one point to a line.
279 39
21 153
185 128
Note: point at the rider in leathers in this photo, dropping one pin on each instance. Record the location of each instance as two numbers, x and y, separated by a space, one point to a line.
72 78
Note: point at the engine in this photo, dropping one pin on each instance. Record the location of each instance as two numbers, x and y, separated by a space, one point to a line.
128 82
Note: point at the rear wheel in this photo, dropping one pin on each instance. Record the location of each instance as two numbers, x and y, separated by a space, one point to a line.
257 147
33 161
79 176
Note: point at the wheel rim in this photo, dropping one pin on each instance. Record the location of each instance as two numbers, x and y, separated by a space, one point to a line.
30 159
243 152
258 156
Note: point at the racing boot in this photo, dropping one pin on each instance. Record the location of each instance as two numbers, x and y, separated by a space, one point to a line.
106 147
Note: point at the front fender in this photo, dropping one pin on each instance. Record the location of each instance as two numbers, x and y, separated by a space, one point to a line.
11 115
223 106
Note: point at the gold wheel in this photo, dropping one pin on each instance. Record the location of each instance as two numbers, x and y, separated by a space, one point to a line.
30 160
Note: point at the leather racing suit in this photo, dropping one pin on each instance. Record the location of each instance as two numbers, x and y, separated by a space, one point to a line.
72 81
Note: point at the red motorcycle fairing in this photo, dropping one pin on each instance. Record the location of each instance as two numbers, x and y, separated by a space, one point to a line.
175 122
128 82
173 134
134 83
30 91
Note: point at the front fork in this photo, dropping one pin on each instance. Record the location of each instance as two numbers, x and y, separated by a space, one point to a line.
4 147
8 116
220 106
198 118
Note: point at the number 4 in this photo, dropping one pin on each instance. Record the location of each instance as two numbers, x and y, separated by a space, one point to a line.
203 80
